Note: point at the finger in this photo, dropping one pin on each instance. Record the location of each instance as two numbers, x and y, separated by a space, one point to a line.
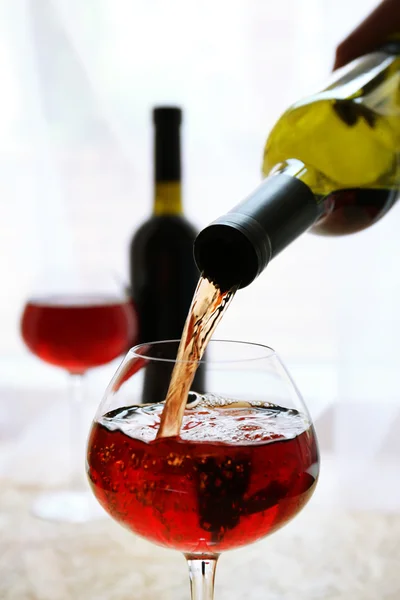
373 31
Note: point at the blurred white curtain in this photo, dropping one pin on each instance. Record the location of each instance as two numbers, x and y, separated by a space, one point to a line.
78 80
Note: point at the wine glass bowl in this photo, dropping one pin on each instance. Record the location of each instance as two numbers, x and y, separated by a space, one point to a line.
246 460
78 328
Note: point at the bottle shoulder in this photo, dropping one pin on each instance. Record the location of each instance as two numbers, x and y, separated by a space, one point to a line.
157 228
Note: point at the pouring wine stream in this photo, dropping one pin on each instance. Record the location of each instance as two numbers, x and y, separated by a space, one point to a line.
207 309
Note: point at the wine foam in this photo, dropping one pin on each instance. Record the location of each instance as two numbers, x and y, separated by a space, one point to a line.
211 418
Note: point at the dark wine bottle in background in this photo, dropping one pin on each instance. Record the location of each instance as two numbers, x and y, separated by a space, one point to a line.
163 273
331 164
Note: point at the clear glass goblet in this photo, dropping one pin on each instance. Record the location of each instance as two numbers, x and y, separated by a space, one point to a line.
245 463
76 321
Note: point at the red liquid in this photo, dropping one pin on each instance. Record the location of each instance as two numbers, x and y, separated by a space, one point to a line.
201 497
354 210
76 332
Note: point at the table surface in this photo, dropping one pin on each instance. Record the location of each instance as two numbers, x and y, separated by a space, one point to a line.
322 554
335 549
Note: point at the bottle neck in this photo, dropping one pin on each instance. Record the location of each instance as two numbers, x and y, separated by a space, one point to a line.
313 179
236 248
167 198
167 167
284 206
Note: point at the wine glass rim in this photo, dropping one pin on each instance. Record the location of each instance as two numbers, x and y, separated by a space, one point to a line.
267 352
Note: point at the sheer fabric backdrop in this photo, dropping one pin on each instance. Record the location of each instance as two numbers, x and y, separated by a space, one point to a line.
78 80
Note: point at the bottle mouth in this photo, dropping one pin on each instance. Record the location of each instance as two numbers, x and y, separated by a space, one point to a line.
167 115
226 255
236 248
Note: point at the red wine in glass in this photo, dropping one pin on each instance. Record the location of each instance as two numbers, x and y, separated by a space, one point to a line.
76 322
78 333
219 485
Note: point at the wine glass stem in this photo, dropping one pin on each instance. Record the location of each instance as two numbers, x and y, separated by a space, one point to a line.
76 397
202 575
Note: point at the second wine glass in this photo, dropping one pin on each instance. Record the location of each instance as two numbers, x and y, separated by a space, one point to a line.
76 321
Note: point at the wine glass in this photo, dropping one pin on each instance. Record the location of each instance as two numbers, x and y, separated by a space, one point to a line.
246 460
76 321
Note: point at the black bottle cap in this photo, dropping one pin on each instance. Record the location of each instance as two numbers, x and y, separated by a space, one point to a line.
232 251
167 143
236 248
167 115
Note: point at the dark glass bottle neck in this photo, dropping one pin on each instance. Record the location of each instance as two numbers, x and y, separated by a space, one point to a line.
167 161
237 247
167 144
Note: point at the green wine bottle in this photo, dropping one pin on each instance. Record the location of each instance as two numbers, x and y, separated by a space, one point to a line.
331 165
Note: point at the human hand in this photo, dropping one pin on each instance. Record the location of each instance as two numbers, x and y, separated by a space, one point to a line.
373 31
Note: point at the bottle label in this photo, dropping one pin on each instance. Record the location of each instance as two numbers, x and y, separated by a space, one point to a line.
168 200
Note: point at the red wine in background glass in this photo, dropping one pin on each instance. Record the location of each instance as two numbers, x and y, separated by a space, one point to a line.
78 332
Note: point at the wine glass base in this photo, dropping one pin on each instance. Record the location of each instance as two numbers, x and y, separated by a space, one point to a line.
67 506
